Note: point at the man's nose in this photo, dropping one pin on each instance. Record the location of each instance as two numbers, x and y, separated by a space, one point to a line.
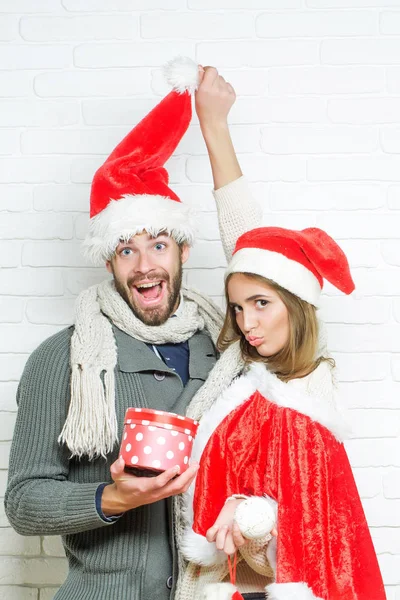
144 264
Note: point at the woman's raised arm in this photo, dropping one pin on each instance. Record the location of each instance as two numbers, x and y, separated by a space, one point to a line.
237 210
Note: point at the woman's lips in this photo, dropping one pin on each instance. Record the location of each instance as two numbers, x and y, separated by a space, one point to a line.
255 341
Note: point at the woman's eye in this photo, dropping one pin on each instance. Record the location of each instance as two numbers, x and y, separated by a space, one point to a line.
237 309
261 303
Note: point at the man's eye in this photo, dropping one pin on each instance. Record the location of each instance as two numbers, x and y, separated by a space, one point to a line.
159 246
126 251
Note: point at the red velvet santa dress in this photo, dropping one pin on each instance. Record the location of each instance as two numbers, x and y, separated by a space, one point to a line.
264 437
278 443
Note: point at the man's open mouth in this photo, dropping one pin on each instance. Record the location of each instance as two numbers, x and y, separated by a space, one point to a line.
149 293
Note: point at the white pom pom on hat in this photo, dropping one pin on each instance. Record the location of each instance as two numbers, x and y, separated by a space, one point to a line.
182 74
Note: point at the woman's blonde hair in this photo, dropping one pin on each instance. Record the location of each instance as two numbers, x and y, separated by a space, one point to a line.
298 356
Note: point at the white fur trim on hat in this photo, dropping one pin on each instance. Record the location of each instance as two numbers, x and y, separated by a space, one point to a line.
124 218
287 273
182 73
290 591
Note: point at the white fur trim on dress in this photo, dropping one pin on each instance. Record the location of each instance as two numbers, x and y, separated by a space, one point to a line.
124 218
197 549
287 396
287 273
283 394
241 388
182 73
290 591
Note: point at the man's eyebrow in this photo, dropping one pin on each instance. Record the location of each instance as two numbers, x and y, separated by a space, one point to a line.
128 243
160 235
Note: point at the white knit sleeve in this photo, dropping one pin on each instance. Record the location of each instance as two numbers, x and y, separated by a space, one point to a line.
238 212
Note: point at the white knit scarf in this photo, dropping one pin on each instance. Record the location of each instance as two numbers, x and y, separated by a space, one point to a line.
91 427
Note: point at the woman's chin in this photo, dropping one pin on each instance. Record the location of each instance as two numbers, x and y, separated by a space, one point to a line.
263 352
266 351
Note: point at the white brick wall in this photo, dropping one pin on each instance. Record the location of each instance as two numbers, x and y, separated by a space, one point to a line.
316 126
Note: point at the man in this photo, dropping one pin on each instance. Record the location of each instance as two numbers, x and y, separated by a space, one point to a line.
138 341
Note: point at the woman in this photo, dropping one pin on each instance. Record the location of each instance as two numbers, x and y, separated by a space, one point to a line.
274 433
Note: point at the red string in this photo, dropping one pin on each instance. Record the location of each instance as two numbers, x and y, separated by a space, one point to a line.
232 569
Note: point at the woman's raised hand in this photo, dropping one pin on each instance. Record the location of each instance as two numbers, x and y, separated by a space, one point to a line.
214 98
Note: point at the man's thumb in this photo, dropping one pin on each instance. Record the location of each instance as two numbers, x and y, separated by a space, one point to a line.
117 468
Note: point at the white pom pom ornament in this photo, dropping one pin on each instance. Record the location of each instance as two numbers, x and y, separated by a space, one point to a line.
255 517
182 73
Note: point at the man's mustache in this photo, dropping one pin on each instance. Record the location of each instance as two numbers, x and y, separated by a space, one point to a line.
155 275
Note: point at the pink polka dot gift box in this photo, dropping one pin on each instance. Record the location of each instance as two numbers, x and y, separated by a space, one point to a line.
157 440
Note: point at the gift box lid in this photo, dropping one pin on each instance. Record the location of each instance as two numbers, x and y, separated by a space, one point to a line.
161 418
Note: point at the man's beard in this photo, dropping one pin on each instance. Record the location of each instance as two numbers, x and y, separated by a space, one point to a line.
159 314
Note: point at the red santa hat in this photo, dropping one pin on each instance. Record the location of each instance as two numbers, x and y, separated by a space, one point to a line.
298 261
130 191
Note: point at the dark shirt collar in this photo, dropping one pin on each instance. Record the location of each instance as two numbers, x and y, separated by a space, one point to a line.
135 356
